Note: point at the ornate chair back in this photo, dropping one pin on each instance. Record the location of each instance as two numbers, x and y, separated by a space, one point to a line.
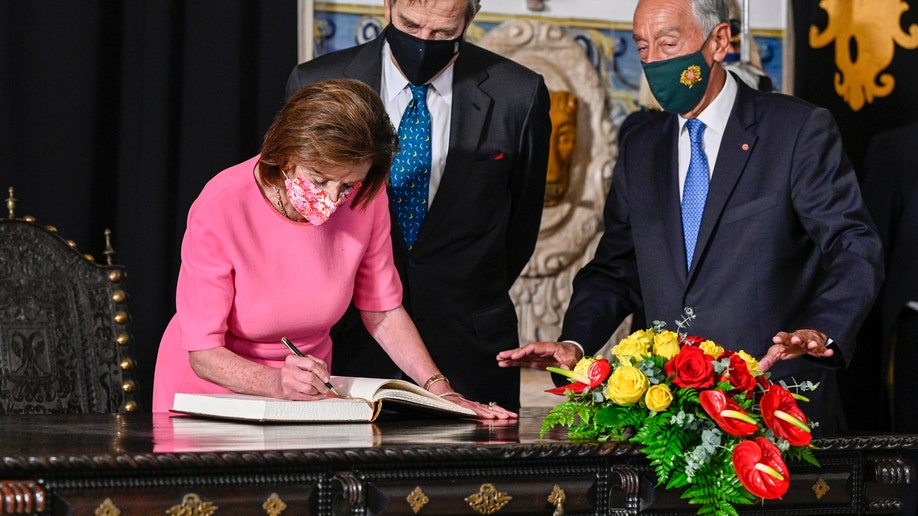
65 341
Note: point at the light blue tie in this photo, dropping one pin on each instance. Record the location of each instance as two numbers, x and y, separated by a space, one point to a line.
695 190
410 177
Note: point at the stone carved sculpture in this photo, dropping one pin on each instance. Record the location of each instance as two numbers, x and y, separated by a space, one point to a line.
578 177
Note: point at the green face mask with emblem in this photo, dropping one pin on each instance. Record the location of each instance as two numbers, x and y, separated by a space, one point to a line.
679 83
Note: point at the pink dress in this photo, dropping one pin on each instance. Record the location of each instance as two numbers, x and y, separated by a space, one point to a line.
249 276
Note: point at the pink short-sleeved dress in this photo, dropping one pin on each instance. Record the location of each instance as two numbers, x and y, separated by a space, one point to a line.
250 276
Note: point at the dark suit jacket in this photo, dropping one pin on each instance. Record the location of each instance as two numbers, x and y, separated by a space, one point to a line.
891 195
785 241
481 228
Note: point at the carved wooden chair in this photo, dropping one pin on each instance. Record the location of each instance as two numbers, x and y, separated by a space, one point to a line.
65 340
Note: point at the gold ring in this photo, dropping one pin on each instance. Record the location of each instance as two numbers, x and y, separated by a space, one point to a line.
492 404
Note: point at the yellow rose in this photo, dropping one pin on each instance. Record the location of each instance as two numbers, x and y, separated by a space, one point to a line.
634 346
711 349
666 344
751 363
626 385
658 397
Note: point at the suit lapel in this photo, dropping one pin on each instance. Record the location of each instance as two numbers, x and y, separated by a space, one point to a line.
735 148
665 173
367 64
470 107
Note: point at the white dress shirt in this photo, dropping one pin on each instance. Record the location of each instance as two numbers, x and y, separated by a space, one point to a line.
396 95
715 118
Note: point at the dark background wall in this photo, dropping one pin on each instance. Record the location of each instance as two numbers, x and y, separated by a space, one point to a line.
113 114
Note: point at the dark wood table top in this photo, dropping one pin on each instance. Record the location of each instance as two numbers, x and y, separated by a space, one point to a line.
144 440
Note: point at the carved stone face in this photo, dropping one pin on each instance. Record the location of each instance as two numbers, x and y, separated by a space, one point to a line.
561 149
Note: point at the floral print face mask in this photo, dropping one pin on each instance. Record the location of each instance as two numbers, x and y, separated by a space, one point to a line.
311 201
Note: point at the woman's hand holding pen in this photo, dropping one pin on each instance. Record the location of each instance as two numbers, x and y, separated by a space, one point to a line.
304 377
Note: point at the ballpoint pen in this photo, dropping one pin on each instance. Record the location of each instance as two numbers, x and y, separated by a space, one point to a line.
293 349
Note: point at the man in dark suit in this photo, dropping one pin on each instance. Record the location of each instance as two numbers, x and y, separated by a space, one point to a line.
785 257
891 194
491 127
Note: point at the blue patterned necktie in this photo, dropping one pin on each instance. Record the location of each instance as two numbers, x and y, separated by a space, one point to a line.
410 177
695 190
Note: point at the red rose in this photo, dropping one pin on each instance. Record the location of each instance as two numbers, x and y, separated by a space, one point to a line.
739 376
692 368
693 340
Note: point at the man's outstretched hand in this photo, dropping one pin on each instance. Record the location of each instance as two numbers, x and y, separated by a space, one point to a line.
539 355
792 345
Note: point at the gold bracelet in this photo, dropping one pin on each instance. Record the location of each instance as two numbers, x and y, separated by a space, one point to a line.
434 379
452 393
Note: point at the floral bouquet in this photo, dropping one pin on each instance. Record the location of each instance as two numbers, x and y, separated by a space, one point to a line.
708 420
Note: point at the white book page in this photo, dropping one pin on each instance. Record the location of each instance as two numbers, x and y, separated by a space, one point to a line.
375 389
260 408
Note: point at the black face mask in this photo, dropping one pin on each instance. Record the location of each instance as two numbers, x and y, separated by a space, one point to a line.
420 59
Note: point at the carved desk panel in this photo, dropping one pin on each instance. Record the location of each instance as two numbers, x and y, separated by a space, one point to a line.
125 464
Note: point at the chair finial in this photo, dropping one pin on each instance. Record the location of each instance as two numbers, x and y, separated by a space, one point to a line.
109 250
11 204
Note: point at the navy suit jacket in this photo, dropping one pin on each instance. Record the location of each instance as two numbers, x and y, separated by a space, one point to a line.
480 230
891 194
785 240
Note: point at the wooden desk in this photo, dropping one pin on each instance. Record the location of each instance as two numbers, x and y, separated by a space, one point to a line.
131 464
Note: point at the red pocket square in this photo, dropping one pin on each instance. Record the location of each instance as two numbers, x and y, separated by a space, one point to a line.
496 155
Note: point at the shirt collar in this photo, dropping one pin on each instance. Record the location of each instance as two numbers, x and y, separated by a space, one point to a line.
717 113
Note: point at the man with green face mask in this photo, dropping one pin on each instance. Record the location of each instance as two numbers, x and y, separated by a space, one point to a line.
738 204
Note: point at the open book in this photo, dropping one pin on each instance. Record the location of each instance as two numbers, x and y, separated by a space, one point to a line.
197 434
362 400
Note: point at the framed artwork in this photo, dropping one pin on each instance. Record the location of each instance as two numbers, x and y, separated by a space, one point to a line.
305 15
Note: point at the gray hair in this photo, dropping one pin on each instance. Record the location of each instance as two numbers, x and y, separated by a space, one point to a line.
709 13
470 10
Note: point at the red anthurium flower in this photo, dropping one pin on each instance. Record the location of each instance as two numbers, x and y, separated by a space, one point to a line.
727 413
781 414
760 468
576 387
691 367
597 373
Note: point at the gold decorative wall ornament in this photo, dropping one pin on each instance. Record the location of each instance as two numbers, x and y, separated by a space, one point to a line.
865 33
417 499
107 508
192 505
820 488
488 500
274 506
557 498
561 146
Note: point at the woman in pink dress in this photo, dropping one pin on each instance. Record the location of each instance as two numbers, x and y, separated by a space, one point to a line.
279 245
